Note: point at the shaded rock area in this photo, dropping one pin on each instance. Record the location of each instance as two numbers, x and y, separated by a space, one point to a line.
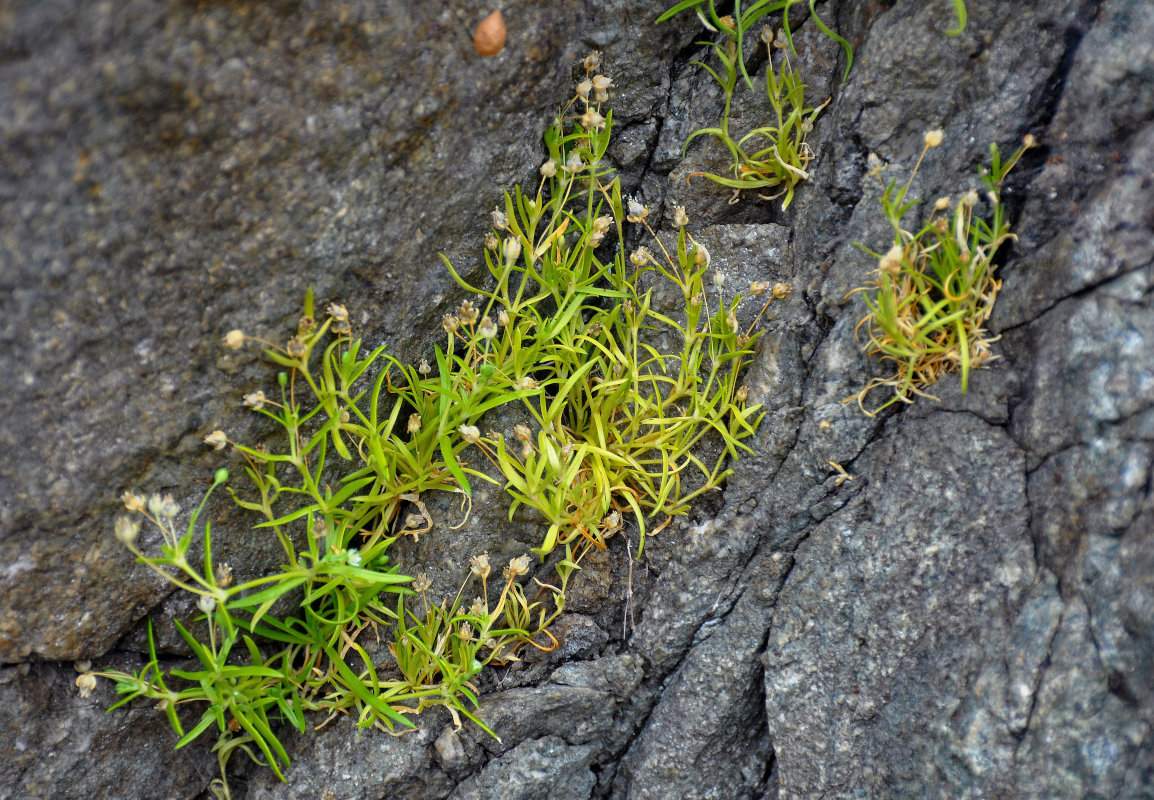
971 616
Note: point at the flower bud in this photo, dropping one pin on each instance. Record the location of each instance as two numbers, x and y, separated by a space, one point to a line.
133 502
701 255
511 249
479 565
126 530
934 138
234 339
86 683
468 312
296 347
637 211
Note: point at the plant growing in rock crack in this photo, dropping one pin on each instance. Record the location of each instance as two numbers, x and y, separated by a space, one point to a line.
564 329
774 156
933 290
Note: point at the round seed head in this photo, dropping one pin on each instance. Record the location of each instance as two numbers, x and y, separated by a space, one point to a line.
126 530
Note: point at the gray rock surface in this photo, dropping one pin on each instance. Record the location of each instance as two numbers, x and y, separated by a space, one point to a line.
971 616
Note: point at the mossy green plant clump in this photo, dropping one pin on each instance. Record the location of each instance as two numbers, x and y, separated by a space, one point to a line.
774 157
561 329
934 289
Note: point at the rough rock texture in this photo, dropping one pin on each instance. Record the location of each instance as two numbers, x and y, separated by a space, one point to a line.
971 616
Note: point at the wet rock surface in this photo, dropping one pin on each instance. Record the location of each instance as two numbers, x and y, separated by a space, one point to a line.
971 616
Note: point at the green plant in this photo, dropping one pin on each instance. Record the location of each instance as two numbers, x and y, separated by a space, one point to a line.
565 331
774 155
934 289
741 22
960 12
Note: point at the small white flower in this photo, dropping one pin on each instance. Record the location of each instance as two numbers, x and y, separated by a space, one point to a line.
891 262
637 211
511 249
217 440
479 565
126 530
86 683
549 169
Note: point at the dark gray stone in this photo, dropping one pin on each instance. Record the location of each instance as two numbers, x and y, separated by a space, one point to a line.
970 616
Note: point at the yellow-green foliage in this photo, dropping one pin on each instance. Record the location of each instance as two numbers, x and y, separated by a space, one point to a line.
561 331
934 289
